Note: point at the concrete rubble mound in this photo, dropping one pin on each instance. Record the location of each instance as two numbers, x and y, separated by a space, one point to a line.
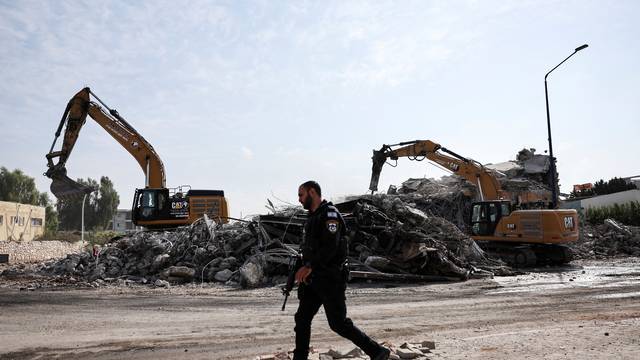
413 233
203 251
451 197
393 235
529 173
606 240
389 239
415 350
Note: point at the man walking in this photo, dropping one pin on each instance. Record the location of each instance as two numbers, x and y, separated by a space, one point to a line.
323 277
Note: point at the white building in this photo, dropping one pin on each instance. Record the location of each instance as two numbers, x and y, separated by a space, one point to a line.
633 180
121 221
620 198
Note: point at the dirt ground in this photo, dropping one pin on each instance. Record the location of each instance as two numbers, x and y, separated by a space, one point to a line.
589 310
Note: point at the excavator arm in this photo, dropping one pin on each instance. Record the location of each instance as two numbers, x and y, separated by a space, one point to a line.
471 170
74 117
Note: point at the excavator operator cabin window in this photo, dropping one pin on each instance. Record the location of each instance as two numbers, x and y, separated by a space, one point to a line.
148 203
148 200
479 219
493 210
479 213
160 201
505 209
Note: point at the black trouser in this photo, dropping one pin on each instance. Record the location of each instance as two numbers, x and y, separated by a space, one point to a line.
330 294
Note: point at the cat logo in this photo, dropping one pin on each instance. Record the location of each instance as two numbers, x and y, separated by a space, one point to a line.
179 205
568 222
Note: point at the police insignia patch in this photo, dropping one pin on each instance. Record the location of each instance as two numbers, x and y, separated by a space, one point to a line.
332 226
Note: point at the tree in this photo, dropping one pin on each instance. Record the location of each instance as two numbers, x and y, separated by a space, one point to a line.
602 187
106 204
15 186
99 207
612 186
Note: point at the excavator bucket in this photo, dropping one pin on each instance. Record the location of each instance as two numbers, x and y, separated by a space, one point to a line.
66 189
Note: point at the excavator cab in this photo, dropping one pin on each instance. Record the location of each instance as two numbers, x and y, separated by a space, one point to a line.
486 215
155 204
145 204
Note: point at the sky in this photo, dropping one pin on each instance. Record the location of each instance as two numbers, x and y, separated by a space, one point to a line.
256 97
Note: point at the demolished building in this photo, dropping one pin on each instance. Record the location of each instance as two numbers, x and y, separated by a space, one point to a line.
417 232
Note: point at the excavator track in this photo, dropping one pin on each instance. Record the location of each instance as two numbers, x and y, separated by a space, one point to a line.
528 255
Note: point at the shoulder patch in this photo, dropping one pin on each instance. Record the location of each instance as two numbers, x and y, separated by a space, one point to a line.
332 214
332 226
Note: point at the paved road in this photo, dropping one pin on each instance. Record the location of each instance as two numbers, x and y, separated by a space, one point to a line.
590 310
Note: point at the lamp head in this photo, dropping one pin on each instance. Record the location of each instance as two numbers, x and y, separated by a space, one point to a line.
581 47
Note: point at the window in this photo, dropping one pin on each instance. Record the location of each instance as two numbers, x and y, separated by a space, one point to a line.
1 219
493 209
21 223
505 209
36 222
148 199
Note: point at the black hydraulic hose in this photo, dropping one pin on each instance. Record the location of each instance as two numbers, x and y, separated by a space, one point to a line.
454 154
62 121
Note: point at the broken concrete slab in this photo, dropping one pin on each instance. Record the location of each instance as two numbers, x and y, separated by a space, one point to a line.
223 275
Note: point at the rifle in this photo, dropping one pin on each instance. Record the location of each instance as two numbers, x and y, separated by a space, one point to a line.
295 263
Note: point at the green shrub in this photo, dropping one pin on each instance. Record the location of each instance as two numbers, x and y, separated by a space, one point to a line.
628 214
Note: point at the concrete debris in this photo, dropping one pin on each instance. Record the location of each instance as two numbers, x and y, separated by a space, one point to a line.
223 275
252 272
607 239
161 283
415 233
529 173
391 235
391 238
418 351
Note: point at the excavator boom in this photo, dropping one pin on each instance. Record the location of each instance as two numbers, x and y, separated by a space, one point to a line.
74 117
469 169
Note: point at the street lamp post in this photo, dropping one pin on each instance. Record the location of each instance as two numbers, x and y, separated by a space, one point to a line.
82 221
554 190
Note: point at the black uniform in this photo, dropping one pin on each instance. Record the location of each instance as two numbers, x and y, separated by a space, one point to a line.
324 249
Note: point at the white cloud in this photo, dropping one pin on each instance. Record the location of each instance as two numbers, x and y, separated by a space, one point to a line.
229 78
247 153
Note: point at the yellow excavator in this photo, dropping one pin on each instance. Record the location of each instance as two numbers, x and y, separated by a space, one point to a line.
155 205
500 225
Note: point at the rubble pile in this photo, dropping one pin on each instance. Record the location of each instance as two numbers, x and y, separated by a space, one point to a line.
202 251
417 351
607 239
392 235
389 239
528 176
449 197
